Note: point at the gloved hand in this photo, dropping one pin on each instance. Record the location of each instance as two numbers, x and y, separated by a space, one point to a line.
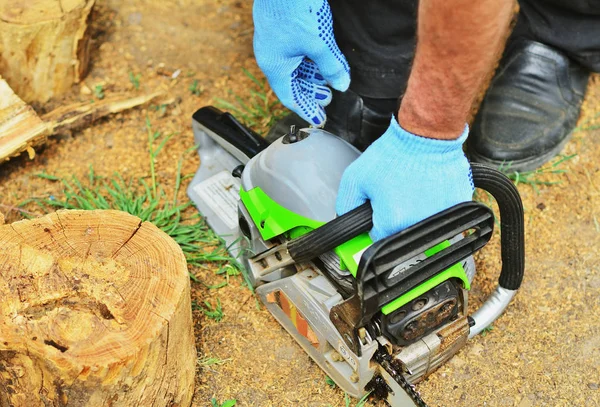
407 178
295 48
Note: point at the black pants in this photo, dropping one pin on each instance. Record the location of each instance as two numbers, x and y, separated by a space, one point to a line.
378 37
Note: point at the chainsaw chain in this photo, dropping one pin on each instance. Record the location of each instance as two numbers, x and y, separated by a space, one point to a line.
385 361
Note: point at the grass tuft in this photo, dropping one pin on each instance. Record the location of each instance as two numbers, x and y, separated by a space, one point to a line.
211 361
541 176
99 91
135 79
361 403
211 312
227 403
487 330
260 111
195 88
588 124
150 203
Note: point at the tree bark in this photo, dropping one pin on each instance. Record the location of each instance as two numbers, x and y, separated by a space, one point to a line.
44 46
95 311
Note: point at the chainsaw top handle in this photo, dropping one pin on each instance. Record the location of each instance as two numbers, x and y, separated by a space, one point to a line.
240 138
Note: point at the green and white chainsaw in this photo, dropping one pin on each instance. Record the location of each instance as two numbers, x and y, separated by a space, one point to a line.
376 317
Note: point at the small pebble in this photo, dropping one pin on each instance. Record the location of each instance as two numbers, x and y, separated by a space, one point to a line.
84 89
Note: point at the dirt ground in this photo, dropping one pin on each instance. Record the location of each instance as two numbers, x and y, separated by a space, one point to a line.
544 351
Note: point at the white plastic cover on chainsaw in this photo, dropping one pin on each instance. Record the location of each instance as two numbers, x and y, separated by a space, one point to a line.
303 177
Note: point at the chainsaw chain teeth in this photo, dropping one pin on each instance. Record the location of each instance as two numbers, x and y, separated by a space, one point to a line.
383 358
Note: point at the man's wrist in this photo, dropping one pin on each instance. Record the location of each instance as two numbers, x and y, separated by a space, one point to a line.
430 120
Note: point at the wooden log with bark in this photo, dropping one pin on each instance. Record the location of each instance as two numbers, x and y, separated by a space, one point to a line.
21 129
94 311
44 46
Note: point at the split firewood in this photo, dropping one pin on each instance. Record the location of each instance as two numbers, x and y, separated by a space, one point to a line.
95 311
44 45
80 115
21 129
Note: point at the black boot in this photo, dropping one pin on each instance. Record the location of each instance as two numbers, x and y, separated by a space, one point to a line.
530 109
358 120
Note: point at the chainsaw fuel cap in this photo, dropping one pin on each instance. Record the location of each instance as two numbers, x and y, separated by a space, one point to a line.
294 136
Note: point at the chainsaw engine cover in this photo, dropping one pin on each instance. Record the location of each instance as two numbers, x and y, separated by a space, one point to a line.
302 176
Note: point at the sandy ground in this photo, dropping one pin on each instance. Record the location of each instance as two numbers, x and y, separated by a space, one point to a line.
544 351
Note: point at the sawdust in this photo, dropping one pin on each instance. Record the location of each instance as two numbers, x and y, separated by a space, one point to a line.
544 351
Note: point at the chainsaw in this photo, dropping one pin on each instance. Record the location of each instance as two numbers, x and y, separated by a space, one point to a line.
376 317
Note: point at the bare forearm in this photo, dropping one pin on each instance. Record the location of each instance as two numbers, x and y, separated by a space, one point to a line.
457 45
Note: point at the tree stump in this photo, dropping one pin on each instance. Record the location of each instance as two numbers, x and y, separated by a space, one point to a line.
94 311
44 45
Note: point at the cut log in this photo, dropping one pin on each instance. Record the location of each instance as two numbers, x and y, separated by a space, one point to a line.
94 311
44 45
22 130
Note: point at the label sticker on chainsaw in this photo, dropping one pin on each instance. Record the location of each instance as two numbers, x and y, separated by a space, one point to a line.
221 193
346 354
401 268
295 316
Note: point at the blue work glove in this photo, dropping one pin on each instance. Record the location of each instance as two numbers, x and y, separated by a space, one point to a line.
407 178
295 48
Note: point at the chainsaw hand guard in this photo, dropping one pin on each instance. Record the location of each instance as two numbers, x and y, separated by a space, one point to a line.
512 241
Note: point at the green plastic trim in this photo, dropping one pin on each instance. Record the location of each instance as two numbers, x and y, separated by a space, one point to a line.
455 271
351 251
272 220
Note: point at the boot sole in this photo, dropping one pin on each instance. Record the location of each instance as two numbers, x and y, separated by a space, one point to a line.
523 165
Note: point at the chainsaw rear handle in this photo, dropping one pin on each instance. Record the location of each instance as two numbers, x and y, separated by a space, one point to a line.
236 138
